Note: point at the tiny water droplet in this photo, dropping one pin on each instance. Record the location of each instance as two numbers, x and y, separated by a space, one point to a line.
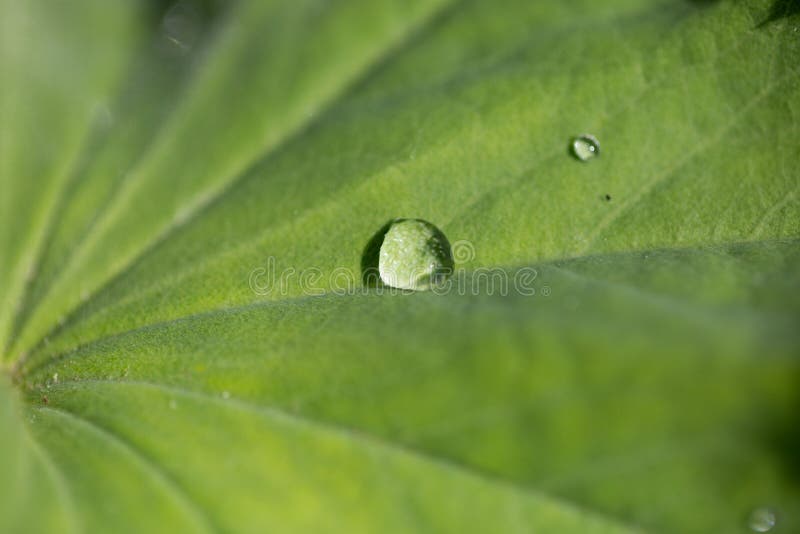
761 520
173 405
226 395
585 147
414 255
181 26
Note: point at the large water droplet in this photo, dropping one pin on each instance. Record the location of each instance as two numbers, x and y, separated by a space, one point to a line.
414 255
585 147
761 520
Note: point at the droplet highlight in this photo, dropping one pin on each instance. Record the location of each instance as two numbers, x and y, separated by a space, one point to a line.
762 520
585 147
414 255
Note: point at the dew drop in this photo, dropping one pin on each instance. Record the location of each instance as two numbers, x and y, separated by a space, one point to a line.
585 147
761 520
181 26
414 255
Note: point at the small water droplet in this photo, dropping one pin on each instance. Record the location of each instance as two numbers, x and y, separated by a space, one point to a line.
762 520
173 405
585 147
414 255
226 395
181 26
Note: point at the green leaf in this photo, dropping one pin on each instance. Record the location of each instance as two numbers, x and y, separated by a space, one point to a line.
190 193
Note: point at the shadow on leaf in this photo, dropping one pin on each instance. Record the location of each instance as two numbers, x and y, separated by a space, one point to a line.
781 9
370 276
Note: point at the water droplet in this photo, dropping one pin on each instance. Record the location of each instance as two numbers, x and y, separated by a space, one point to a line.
761 520
173 405
226 395
585 147
181 26
414 255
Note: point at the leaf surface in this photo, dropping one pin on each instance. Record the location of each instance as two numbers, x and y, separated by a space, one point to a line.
617 352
